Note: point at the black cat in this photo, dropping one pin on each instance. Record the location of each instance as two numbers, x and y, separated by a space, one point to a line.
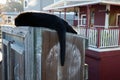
38 19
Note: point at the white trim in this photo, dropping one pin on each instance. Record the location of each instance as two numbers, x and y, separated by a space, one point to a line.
117 19
103 50
110 2
60 4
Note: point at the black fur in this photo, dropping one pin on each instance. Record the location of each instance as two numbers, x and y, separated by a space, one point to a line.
50 21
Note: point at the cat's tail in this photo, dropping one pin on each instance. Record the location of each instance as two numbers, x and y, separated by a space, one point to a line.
62 40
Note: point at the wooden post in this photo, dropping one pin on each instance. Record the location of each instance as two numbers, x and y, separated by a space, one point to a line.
78 20
78 17
88 16
98 37
60 14
51 11
74 17
107 16
65 14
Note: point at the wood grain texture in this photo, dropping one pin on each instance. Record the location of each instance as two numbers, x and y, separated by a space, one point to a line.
74 62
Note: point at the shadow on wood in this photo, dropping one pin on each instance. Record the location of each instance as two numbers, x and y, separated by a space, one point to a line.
0 70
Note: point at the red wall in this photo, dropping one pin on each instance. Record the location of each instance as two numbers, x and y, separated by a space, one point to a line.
93 61
99 10
103 65
99 14
99 18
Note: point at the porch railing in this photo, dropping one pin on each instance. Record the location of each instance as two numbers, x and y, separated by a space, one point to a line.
101 38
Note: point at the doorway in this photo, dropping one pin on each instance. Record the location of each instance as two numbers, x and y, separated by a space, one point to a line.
118 20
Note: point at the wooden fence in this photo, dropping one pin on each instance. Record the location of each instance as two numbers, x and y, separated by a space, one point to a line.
33 54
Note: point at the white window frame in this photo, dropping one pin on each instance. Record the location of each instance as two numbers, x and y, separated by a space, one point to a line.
82 20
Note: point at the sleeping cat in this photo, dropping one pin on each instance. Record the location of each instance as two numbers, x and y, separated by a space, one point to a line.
38 19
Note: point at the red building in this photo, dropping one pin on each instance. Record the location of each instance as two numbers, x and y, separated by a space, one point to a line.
99 21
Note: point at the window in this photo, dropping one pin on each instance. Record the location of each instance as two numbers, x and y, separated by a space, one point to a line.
9 19
83 19
92 17
26 3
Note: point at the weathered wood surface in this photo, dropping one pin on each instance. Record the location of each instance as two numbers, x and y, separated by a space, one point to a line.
0 70
13 53
34 55
74 60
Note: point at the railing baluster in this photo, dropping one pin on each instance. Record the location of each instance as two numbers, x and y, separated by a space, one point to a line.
101 38
119 37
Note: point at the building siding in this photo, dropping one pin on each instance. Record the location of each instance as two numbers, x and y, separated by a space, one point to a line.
100 15
37 5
